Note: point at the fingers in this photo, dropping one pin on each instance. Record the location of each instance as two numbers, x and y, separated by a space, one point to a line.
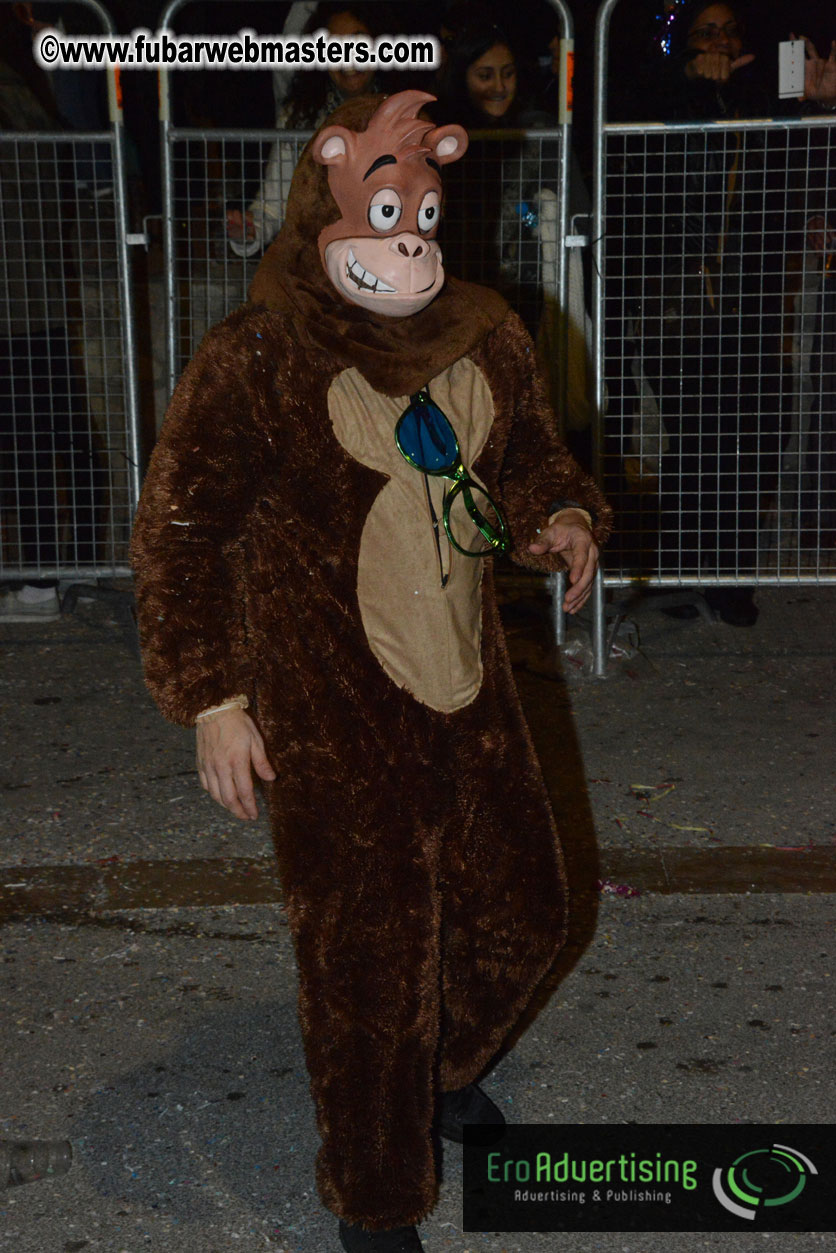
711 66
548 542
574 606
578 562
581 578
222 785
559 537
717 67
579 552
230 784
242 791
226 755
211 783
261 765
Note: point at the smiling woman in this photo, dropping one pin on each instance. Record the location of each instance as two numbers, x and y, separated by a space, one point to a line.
715 44
492 81
478 84
492 209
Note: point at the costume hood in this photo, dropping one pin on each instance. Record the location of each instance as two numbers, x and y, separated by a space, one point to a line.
396 355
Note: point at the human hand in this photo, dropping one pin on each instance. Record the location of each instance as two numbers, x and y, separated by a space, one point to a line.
240 226
570 536
819 73
820 236
229 748
716 67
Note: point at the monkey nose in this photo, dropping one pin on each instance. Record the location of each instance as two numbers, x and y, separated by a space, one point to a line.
409 246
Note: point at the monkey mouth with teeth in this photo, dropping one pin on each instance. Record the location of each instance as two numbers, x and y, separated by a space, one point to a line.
364 279
397 275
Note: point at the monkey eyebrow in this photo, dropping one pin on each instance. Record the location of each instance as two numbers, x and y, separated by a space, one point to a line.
375 165
433 165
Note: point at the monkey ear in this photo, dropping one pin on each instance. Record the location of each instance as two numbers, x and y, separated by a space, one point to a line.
331 145
448 143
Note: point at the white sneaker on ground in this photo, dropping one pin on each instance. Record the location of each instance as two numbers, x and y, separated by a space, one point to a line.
30 604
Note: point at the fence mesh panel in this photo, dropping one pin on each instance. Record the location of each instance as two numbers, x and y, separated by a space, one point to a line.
64 427
500 226
719 325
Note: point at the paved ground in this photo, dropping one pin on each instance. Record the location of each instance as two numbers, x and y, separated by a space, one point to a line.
149 981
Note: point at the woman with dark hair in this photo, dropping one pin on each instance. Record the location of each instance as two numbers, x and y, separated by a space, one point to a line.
478 85
708 46
490 226
707 70
500 222
313 95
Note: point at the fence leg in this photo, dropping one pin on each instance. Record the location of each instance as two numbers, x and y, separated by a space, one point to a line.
599 627
557 588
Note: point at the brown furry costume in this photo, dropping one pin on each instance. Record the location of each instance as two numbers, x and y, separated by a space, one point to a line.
417 849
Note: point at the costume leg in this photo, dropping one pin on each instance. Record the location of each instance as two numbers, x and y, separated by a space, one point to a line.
504 899
356 821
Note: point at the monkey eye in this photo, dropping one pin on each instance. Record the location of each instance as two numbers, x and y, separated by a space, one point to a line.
429 212
385 209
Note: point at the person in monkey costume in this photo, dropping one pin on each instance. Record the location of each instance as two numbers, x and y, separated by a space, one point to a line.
335 461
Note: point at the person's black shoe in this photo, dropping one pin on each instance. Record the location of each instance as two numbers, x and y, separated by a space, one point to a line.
466 1106
733 605
356 1239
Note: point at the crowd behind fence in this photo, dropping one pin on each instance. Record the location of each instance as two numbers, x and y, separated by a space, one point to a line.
718 321
69 445
501 227
709 380
714 319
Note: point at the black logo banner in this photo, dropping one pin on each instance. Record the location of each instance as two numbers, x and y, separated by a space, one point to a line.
625 1177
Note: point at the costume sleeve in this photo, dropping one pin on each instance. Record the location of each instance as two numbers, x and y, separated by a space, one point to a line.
188 547
537 471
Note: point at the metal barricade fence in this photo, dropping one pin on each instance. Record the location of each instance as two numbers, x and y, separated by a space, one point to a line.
69 442
500 225
503 226
715 316
506 216
506 224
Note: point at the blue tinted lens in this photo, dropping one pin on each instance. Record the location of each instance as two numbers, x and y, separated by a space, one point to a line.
427 438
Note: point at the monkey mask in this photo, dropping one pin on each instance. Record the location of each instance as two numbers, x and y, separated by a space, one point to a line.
331 222
386 181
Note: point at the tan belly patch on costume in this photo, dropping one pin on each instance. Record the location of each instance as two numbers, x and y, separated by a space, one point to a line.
426 636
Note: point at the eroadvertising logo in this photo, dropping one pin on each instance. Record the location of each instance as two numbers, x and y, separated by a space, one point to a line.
659 1177
762 1177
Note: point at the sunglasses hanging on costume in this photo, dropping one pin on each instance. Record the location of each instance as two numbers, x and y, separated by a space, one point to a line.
472 521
